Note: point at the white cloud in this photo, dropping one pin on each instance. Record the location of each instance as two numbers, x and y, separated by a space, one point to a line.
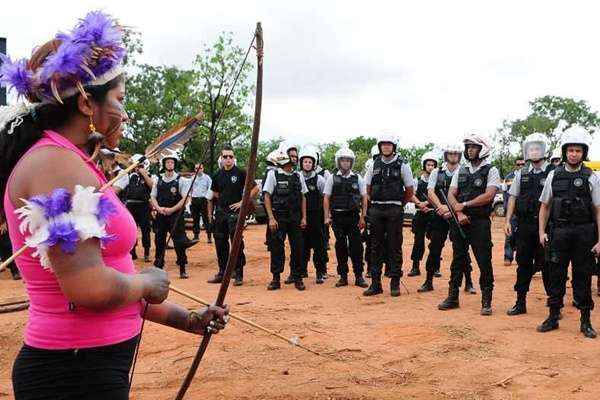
428 70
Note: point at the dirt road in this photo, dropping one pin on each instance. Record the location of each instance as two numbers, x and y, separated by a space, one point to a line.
375 348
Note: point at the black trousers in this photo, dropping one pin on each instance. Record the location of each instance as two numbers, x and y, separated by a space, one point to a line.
386 239
420 227
86 374
571 243
141 214
530 255
438 233
199 208
347 241
313 239
165 224
224 227
289 226
479 238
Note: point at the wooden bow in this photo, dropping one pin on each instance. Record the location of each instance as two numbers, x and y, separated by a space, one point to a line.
237 238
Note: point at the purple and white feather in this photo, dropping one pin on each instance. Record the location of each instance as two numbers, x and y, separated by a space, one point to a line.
64 220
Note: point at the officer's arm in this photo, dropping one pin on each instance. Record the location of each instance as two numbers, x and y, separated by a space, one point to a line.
154 203
510 208
209 210
452 192
409 194
433 199
326 212
268 205
254 192
146 176
365 204
483 199
543 218
304 207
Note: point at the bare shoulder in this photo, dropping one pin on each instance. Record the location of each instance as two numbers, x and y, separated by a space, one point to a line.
48 168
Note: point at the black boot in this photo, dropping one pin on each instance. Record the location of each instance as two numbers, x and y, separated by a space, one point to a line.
415 271
299 284
182 273
147 255
469 288
14 272
275 283
360 281
586 325
320 278
551 323
520 306
451 301
374 289
486 301
343 281
395 287
289 280
437 272
239 280
427 286
218 278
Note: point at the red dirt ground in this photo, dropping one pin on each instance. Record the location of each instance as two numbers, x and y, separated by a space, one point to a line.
377 348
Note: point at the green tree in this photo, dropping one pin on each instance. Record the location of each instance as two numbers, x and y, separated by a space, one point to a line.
544 117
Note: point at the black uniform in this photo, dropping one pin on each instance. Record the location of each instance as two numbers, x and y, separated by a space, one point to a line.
323 173
313 235
572 234
286 202
230 187
168 195
438 233
478 236
421 224
386 220
137 200
529 251
345 202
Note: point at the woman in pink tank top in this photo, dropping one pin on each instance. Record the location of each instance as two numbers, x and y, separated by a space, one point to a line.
86 299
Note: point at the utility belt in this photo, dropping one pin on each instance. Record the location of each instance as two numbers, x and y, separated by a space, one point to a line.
136 202
385 206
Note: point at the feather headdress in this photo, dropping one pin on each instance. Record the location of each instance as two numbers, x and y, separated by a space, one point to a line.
174 139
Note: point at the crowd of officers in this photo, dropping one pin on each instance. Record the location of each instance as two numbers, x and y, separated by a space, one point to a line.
552 214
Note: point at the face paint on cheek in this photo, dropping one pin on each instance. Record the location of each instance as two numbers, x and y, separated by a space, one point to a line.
115 116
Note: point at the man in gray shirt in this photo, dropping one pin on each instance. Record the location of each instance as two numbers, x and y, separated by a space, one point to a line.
390 184
199 205
571 202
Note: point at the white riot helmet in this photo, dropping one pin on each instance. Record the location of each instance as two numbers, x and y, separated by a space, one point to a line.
576 135
556 154
344 152
429 156
136 157
287 146
170 156
535 147
281 158
452 148
374 150
478 140
271 158
308 152
387 138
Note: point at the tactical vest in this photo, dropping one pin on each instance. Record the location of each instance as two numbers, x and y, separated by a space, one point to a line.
314 198
572 197
167 193
137 190
421 192
322 172
287 195
471 185
387 183
527 205
442 185
345 193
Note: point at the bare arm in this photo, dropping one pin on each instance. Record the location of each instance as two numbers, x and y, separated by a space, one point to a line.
510 209
179 317
326 209
433 198
543 222
483 199
409 193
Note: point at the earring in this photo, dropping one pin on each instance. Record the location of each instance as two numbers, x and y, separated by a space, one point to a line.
92 126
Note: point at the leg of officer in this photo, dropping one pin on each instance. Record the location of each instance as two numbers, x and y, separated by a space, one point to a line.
204 213
460 253
527 241
356 250
419 227
221 244
160 240
377 236
481 242
195 211
179 243
438 234
339 226
393 227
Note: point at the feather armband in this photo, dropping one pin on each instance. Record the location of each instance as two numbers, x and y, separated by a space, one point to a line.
64 219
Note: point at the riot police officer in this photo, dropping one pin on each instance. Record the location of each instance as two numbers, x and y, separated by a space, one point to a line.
285 203
366 232
345 206
571 204
167 197
227 189
199 205
421 222
313 234
390 185
135 188
471 195
524 202
437 193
